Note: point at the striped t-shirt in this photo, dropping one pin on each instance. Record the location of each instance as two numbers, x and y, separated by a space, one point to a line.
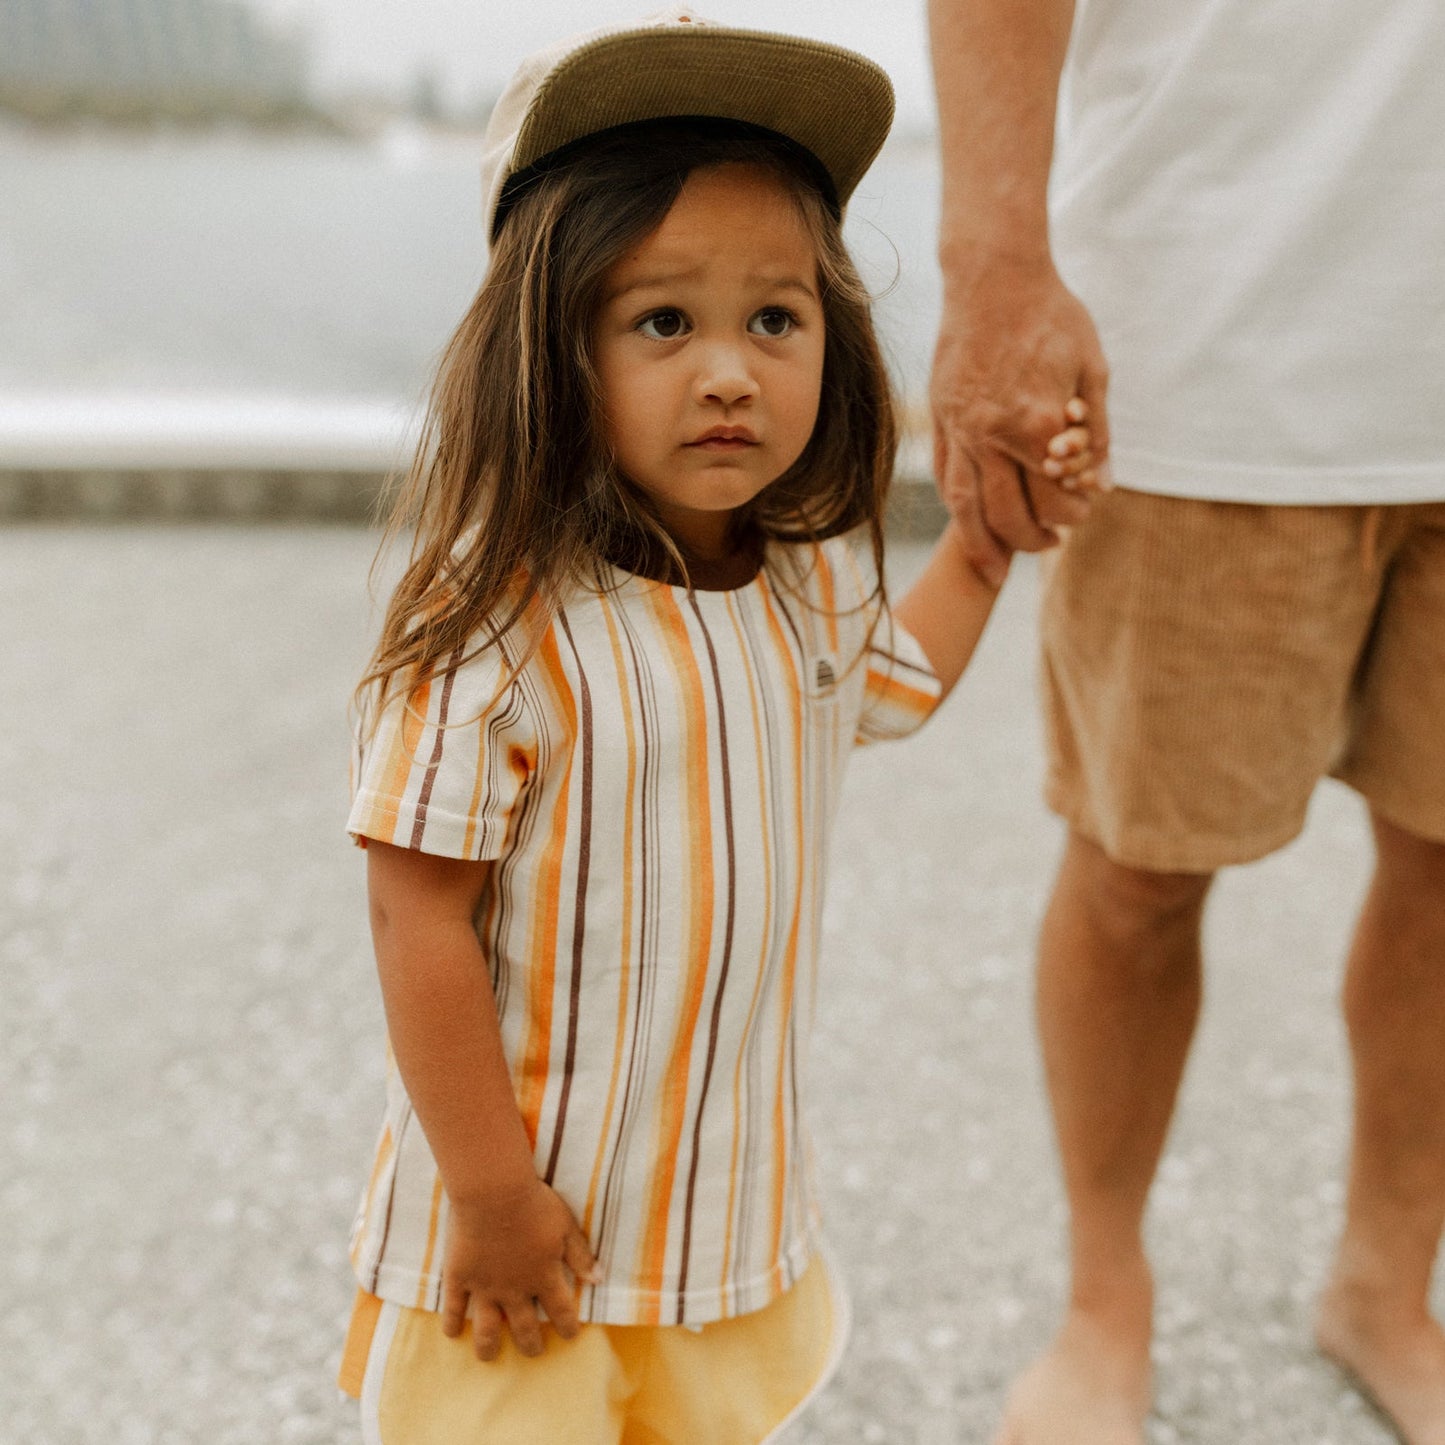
657 786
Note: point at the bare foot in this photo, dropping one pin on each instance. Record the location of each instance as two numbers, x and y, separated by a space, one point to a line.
1092 1387
1396 1360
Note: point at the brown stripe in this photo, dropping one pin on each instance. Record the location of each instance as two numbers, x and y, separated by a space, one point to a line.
792 627
727 949
579 924
436 753
903 662
494 764
700 885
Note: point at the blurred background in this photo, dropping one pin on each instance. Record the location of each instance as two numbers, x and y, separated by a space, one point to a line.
234 235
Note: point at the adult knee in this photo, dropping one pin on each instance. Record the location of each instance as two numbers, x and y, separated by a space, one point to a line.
1134 907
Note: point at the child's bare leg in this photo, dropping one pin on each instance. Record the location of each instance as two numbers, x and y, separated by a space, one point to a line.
1374 1317
1118 996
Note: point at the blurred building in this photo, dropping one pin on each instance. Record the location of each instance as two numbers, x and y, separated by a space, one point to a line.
143 60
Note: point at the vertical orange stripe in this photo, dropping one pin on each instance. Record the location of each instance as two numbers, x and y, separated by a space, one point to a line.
365 1311
829 598
698 870
766 934
624 971
431 1241
548 885
396 773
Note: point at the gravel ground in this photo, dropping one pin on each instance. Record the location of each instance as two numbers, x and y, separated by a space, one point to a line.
190 1034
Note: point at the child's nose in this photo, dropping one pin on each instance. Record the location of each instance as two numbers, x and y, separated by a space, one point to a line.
725 377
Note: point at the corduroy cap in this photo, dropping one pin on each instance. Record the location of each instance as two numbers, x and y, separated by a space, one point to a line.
835 103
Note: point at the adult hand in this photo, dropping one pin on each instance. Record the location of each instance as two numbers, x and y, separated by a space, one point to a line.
1014 347
518 1248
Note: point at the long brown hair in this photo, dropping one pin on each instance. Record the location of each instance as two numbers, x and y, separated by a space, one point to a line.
513 497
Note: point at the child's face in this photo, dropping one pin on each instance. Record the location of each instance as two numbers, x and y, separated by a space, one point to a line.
709 349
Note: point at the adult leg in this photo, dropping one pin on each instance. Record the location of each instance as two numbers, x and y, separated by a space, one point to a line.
1198 658
1374 1316
1118 996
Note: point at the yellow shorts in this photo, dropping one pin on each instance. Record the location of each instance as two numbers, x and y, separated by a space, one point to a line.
1206 663
736 1382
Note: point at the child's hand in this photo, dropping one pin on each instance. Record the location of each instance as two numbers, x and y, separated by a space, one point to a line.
507 1255
1070 459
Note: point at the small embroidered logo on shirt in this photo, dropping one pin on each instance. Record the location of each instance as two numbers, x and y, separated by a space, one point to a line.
825 679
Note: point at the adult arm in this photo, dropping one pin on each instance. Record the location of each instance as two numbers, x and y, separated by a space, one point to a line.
1015 345
510 1240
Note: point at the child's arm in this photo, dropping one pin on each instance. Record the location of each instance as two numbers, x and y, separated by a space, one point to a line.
947 607
511 1240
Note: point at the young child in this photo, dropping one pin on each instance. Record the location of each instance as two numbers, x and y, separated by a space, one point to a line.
604 733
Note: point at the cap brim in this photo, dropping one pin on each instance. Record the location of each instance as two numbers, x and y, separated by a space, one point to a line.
834 102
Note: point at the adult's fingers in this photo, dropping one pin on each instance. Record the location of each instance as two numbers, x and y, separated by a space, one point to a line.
985 553
958 488
1007 510
1054 505
1037 431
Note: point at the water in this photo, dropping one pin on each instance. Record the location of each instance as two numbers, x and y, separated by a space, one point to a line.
229 265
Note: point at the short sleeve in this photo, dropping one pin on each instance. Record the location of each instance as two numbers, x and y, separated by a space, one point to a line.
444 767
901 689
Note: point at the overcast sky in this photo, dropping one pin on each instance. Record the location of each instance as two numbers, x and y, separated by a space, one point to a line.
473 45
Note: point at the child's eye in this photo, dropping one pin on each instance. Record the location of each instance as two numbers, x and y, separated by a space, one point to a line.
664 325
772 321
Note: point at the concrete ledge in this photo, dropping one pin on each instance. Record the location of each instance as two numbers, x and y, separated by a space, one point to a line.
190 495
257 495
914 509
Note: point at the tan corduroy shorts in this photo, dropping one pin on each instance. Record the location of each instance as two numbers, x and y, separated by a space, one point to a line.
1206 663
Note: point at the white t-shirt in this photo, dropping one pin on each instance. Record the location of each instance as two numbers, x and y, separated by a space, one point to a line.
1249 196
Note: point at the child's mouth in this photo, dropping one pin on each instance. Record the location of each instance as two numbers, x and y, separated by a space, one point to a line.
725 439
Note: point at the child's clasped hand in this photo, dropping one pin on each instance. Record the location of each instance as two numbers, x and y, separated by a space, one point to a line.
1069 456
508 1254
